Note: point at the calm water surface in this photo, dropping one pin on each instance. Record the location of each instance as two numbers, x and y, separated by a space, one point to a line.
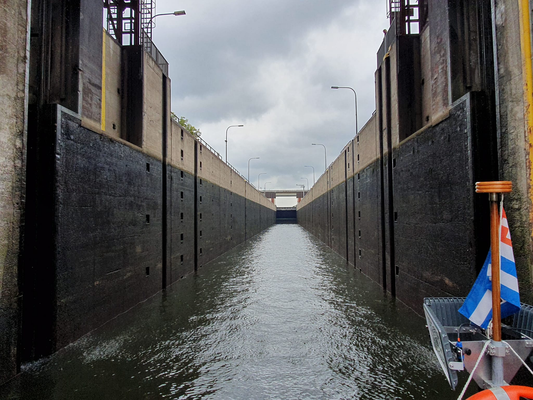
280 317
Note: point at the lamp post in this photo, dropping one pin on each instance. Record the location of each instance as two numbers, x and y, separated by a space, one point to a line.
231 126
309 166
175 13
355 95
258 185
265 187
307 182
253 158
325 155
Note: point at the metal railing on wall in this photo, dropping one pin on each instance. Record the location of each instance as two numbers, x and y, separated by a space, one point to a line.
154 52
216 153
390 38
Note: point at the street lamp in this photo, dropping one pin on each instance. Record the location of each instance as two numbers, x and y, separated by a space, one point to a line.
307 182
258 185
253 158
231 126
325 155
175 13
355 94
309 166
265 188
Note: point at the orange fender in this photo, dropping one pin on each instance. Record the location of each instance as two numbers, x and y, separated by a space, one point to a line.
504 393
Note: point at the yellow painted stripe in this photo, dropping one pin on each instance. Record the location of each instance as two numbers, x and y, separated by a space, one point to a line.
525 40
102 116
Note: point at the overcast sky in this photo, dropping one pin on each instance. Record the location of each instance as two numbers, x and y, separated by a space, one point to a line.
269 65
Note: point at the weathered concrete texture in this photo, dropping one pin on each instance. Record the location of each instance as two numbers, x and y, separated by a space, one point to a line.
339 219
433 239
152 107
108 230
181 149
368 222
90 59
13 81
434 211
351 223
181 226
221 216
513 139
425 75
111 86
413 90
409 87
439 54
316 218
108 248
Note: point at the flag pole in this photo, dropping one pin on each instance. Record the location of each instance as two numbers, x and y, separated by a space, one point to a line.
494 190
495 262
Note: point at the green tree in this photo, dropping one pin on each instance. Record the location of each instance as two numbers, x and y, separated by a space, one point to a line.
184 122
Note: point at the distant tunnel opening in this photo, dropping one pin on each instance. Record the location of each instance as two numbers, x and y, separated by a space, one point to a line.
286 215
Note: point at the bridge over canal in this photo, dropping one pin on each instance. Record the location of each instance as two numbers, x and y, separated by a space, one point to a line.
284 193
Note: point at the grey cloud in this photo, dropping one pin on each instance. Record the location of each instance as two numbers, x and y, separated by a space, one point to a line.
269 64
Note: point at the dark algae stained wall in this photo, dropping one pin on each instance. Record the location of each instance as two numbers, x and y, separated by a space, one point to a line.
399 201
118 204
438 231
367 199
105 240
109 222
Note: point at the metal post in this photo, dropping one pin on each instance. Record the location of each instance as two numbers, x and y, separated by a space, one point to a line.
307 182
309 166
495 260
258 185
253 158
494 189
325 154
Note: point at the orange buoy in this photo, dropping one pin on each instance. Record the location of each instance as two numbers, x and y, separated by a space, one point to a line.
504 393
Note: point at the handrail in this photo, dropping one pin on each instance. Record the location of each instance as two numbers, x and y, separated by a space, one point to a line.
216 153
154 52
390 38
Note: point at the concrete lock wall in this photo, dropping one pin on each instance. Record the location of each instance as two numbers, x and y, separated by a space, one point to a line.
432 213
14 20
122 200
399 203
113 249
516 124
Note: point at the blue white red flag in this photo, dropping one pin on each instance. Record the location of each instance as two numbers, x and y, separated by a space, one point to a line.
478 304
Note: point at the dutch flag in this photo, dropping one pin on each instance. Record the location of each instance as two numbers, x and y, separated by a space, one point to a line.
478 305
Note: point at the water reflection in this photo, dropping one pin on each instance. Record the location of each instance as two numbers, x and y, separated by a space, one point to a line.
281 317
